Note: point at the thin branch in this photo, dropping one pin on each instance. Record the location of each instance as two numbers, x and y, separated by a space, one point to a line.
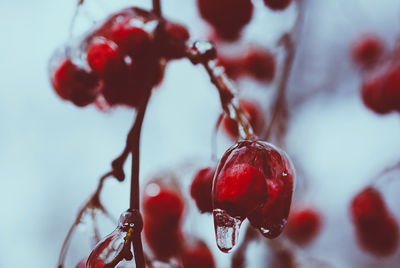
157 8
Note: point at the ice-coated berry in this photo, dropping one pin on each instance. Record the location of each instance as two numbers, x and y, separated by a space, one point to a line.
254 179
277 4
75 84
81 264
303 225
100 53
377 230
228 17
381 89
201 189
367 51
254 115
197 255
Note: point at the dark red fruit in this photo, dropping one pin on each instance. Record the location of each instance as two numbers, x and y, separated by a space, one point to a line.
172 41
260 64
277 4
197 255
100 53
234 67
377 230
381 89
367 51
303 225
201 189
75 84
253 113
255 180
228 17
163 209
129 34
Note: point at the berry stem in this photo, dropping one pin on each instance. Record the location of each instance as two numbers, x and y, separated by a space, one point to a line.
134 144
157 8
280 109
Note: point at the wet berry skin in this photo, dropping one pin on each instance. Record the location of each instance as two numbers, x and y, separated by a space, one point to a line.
74 83
377 230
253 113
197 255
277 4
201 189
367 51
303 225
172 41
100 53
228 17
255 180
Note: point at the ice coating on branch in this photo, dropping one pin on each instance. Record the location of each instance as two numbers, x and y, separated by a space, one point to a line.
117 245
226 230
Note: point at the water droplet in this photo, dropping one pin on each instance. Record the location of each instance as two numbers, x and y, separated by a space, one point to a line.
226 230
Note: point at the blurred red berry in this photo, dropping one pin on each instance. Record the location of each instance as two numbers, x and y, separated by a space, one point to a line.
234 67
260 64
228 17
201 189
75 84
377 231
163 209
381 89
197 255
253 113
172 41
277 4
303 225
367 51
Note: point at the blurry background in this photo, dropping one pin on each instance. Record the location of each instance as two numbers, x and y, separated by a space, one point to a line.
52 153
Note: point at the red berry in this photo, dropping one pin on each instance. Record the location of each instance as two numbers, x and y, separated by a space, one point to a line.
172 41
367 51
253 113
201 189
164 241
130 35
234 67
253 175
197 255
303 225
75 84
377 230
260 64
163 209
100 53
381 89
228 17
277 4
239 188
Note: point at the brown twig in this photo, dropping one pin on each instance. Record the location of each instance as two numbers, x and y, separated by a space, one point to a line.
279 108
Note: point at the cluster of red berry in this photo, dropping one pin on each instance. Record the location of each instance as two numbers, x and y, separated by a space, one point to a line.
122 60
381 84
